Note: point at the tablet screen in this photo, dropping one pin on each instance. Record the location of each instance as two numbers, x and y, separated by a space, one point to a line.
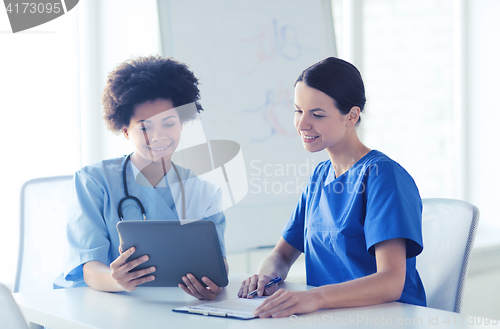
175 249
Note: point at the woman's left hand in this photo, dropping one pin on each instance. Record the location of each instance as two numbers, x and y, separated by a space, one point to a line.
284 303
194 288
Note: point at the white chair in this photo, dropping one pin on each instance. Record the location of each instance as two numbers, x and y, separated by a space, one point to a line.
449 228
10 315
44 210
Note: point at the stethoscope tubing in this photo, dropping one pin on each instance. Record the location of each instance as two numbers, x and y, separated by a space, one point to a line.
139 203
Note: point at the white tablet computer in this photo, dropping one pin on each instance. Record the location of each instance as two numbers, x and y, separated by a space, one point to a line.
175 250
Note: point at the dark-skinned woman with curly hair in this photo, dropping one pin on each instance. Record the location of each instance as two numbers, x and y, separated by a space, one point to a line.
148 100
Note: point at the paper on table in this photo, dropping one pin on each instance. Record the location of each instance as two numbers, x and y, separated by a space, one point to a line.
238 307
240 304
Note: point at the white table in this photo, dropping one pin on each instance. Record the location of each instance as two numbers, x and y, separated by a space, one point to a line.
152 308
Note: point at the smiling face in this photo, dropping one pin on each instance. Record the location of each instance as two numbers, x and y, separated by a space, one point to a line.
155 130
318 121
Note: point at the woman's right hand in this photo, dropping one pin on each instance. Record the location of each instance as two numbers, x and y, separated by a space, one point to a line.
122 273
257 282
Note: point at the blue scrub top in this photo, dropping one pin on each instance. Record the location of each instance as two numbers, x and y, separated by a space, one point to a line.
338 221
98 188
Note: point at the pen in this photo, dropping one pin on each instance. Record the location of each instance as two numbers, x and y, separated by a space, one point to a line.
276 280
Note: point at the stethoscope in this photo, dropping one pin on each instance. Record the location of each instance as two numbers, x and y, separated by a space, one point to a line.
131 197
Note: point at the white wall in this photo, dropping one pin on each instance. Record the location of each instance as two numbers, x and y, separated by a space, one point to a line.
39 102
481 295
407 53
482 289
484 109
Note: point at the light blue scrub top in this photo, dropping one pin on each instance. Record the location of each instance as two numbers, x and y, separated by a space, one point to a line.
98 188
337 222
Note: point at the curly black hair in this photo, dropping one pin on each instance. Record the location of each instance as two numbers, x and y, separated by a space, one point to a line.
144 79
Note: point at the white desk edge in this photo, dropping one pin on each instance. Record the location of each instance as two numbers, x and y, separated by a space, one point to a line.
147 307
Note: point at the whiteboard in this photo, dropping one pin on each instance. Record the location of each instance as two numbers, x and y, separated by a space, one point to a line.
247 56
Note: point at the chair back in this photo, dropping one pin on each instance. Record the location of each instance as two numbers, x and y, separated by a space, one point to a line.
10 315
43 217
449 228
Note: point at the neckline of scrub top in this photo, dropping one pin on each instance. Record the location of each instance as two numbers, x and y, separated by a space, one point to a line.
162 194
331 170
143 178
